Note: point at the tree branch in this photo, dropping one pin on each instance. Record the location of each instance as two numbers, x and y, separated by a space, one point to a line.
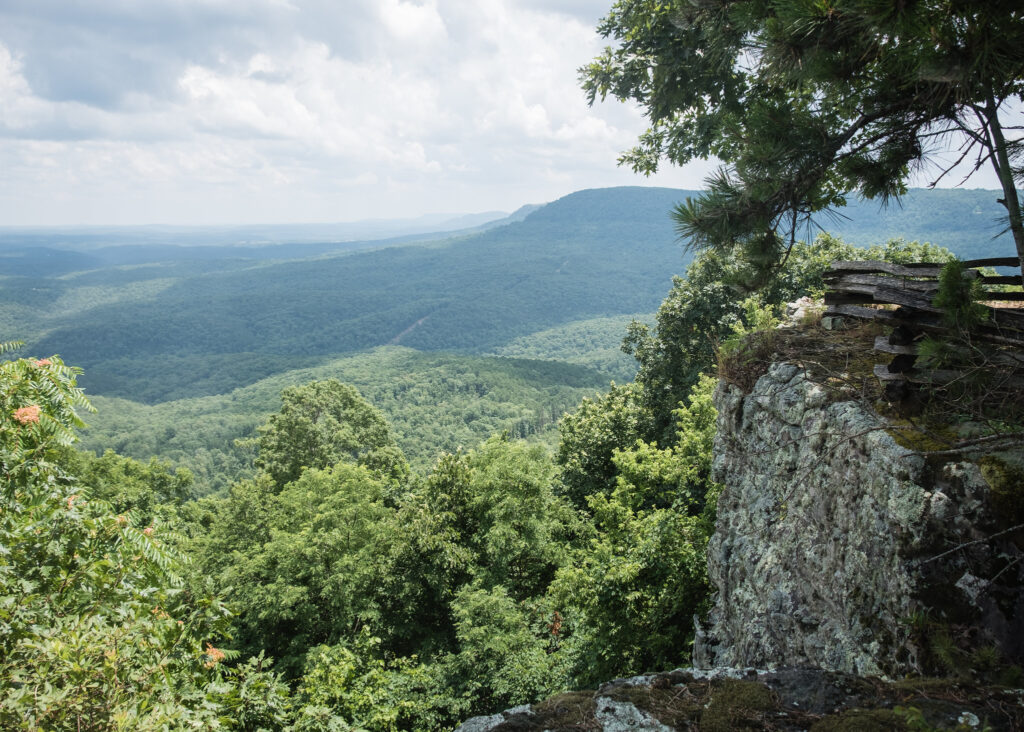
966 544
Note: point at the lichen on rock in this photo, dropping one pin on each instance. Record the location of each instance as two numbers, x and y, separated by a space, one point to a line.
827 533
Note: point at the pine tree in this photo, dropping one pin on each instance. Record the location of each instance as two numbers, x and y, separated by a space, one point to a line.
809 101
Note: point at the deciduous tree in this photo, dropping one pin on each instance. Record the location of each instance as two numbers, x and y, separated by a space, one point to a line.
322 423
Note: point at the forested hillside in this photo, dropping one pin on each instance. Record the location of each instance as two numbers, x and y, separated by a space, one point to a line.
182 328
435 402
223 317
596 343
970 223
360 572
594 253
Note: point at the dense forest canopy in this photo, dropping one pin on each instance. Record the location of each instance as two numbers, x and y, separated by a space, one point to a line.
591 254
210 324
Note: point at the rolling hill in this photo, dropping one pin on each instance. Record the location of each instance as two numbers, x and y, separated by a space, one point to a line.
499 328
591 254
219 317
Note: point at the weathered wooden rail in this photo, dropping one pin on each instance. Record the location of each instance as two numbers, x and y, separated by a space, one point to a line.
901 295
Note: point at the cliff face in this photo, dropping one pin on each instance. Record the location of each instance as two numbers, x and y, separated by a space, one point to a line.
833 542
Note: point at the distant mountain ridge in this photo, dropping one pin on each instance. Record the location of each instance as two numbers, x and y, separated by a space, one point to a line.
580 257
40 251
597 253
968 222
86 238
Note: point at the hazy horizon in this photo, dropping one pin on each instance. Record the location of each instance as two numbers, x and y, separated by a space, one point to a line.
231 112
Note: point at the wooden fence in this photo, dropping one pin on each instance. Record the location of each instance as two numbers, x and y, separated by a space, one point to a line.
870 290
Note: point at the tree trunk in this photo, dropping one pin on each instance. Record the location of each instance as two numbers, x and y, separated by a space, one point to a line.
1001 162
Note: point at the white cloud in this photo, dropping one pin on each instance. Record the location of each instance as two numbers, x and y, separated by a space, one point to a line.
302 110
409 22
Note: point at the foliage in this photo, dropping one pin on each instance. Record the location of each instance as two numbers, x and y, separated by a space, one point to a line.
351 686
320 424
595 343
516 525
746 351
590 436
148 492
508 654
349 577
758 322
806 102
299 562
96 628
958 295
632 593
433 402
38 402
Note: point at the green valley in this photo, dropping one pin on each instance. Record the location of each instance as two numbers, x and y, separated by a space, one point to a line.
435 402
591 254
221 317
500 328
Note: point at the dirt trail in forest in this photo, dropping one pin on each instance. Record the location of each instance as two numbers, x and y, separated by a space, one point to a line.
394 341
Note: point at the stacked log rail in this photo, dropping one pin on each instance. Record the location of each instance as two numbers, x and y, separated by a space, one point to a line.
868 290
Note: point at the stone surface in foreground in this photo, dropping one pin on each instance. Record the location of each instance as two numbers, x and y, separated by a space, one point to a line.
788 699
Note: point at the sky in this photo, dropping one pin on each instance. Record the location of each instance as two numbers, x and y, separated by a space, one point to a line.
280 111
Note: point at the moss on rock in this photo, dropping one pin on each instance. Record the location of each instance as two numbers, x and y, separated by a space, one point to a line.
737 704
1007 484
861 720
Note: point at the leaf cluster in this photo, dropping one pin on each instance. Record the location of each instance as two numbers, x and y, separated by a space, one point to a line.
97 627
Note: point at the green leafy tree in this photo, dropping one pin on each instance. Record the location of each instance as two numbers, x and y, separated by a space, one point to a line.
700 311
301 563
808 101
507 654
495 519
629 598
147 492
590 436
322 423
391 608
97 629
517 527
355 685
430 555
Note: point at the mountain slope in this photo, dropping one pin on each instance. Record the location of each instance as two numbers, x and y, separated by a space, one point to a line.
970 223
594 253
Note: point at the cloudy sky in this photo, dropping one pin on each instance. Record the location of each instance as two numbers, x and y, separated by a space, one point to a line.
233 111
257 111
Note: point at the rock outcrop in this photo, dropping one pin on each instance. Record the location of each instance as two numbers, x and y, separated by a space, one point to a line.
791 699
832 539
839 558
